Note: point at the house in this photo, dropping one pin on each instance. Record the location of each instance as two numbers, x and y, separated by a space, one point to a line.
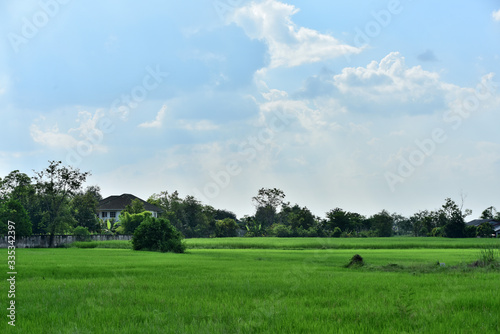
495 224
110 207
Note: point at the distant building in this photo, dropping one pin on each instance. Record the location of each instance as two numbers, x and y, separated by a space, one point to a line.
495 224
112 206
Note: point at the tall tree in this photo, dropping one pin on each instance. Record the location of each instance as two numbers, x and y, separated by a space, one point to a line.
55 186
84 207
267 202
455 224
382 223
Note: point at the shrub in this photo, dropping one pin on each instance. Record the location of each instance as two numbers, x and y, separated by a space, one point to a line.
226 228
157 234
281 230
470 231
436 232
129 222
337 232
485 230
82 233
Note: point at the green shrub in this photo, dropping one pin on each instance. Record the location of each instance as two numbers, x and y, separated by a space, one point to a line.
280 230
485 230
157 234
81 233
226 227
337 232
129 222
437 232
470 231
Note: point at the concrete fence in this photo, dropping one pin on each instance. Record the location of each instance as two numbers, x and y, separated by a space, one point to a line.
42 241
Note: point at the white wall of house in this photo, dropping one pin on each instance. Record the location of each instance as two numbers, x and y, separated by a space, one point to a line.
107 214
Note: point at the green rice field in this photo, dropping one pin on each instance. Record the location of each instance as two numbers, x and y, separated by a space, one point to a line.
259 285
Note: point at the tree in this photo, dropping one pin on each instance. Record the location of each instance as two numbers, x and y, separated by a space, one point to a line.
130 222
13 211
55 185
484 230
226 228
136 206
84 207
157 234
338 218
402 225
382 223
455 224
267 203
489 213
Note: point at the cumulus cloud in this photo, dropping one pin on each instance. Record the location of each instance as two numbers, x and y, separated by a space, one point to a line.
496 15
88 133
289 45
391 81
158 121
52 137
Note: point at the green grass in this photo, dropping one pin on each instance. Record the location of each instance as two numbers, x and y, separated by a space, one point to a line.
72 290
314 243
340 243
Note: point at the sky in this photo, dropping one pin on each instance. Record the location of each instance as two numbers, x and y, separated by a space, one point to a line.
362 105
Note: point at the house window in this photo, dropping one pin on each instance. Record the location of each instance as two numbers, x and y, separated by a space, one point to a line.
104 214
112 214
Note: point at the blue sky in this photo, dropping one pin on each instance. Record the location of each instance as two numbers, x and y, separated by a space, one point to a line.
361 105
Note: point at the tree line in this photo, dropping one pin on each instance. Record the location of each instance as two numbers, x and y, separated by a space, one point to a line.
53 201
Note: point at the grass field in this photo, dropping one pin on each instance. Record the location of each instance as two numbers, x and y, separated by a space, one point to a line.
291 287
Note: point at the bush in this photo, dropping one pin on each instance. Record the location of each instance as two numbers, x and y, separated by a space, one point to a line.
337 232
470 231
81 233
226 228
437 232
129 222
485 230
157 234
280 230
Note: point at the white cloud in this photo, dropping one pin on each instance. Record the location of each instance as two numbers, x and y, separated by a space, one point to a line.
158 122
203 125
88 133
52 138
496 15
289 45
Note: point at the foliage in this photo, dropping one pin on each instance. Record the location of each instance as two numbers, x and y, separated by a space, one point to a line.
135 207
84 207
129 222
382 223
267 202
337 232
82 233
55 185
455 225
282 231
226 228
485 230
157 234
13 211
